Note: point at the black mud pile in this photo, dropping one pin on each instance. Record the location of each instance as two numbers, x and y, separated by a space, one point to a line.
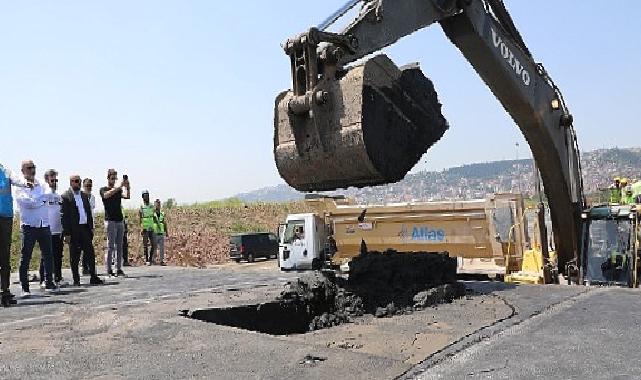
381 278
381 284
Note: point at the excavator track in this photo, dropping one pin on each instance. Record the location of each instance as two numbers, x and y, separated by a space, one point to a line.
369 127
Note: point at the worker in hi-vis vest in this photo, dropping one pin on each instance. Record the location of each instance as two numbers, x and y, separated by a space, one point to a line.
615 190
160 232
627 197
146 215
636 191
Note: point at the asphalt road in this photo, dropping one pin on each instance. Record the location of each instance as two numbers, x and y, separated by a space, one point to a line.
133 328
141 286
594 336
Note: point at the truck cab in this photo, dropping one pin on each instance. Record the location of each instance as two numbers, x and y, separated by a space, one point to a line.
610 246
302 242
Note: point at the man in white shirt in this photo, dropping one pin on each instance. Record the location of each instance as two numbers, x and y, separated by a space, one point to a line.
34 223
55 226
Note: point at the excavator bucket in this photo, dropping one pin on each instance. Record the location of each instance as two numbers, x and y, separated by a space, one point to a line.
368 127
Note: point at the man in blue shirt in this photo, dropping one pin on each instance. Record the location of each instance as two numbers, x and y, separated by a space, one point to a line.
7 179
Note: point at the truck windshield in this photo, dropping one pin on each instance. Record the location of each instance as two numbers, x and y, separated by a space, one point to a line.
609 251
295 230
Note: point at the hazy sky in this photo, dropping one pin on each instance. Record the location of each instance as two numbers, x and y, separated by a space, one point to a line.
180 94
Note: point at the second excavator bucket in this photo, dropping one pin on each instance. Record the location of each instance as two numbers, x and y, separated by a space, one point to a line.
368 127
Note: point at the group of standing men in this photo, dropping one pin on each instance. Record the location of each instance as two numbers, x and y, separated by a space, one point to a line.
51 219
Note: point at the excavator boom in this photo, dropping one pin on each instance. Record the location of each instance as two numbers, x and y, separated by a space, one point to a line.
344 124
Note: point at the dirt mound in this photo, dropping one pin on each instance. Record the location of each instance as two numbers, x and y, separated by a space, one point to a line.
381 284
381 278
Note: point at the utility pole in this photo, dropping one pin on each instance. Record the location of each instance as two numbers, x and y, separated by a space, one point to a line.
518 169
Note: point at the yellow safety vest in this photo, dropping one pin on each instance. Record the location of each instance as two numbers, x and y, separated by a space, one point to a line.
147 213
613 258
615 195
159 223
628 200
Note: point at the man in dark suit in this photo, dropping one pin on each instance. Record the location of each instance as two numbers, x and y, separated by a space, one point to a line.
77 228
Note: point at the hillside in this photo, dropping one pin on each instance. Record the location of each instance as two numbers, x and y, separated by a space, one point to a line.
478 180
280 193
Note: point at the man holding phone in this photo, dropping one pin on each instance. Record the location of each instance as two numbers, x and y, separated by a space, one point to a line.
112 197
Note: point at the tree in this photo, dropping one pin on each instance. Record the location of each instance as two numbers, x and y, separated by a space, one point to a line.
170 203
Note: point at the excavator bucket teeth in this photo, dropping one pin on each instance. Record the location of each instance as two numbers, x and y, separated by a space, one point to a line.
369 127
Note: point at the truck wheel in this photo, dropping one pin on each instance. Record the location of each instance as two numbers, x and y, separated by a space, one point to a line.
237 259
250 257
316 264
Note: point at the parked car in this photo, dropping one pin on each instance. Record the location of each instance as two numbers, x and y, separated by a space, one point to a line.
249 246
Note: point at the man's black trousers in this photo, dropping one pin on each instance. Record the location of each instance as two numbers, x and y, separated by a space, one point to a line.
82 241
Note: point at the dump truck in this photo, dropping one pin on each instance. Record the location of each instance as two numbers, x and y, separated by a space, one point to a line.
487 236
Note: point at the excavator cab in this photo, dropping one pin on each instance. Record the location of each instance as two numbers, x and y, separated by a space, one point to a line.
610 246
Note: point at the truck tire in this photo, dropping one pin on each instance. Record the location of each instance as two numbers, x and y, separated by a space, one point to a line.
250 257
237 259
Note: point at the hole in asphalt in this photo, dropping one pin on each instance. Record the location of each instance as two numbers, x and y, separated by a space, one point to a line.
383 285
274 318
